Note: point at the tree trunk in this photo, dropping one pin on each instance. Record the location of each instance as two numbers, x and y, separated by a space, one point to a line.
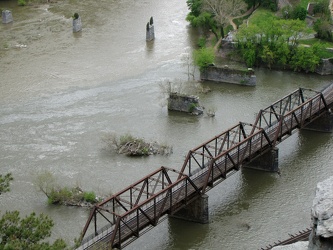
222 32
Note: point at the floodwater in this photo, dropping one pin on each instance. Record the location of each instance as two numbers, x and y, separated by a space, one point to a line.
62 93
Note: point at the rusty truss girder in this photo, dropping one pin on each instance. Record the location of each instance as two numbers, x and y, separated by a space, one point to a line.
128 214
275 112
223 153
139 206
292 112
212 161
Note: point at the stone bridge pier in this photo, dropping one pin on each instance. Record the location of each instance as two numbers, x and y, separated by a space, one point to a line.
269 160
322 124
196 211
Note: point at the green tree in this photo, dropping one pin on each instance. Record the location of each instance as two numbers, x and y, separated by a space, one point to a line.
282 54
271 41
270 5
249 54
304 59
321 8
199 18
323 29
5 182
299 12
294 30
204 57
27 233
268 56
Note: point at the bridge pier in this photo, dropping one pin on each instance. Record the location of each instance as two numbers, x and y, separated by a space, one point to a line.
196 211
322 124
268 161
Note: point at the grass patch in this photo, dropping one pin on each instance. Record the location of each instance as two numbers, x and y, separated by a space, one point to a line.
327 52
312 41
239 21
261 15
303 3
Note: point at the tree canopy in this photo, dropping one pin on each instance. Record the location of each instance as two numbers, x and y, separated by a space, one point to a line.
27 233
276 42
214 14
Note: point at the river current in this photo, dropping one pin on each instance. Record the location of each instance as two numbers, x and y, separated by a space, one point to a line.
62 92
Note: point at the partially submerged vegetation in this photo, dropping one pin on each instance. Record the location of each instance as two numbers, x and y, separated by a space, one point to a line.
70 196
134 146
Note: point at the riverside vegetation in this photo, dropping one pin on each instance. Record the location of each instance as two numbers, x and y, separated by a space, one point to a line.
70 196
285 38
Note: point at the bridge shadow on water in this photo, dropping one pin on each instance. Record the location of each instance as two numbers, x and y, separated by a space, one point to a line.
227 202
184 232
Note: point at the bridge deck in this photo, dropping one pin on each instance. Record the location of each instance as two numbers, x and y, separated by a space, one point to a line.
131 212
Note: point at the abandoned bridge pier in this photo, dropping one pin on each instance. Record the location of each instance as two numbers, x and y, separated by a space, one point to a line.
122 218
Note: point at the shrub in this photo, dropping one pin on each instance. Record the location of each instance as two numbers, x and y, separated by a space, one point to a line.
299 13
202 42
321 7
304 59
75 16
323 29
204 57
21 2
61 196
89 197
192 106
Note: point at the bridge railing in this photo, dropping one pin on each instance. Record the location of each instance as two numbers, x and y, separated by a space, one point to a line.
124 221
215 169
201 156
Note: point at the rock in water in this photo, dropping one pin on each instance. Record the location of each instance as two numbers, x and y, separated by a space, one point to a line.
322 217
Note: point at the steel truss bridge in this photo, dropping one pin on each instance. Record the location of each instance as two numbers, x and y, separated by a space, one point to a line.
122 218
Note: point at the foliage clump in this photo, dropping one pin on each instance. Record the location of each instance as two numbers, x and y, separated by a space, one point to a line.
21 2
27 233
323 23
204 57
71 197
5 182
134 146
74 196
275 42
76 16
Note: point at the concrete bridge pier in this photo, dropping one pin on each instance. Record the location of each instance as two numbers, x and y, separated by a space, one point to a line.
7 16
196 211
322 124
268 161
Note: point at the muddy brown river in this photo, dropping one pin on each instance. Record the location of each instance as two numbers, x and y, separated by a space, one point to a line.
61 93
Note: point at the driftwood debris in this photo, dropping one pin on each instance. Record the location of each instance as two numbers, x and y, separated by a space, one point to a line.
132 146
